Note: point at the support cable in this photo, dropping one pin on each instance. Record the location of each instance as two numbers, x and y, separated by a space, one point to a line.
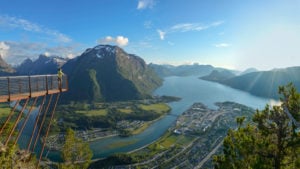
36 122
17 121
47 132
25 121
43 121
9 116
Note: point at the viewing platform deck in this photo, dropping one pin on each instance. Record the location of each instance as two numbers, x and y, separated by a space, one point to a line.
23 87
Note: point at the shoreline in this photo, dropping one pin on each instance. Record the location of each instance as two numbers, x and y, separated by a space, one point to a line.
145 126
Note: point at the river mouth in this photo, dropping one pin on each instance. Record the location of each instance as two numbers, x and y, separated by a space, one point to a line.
190 90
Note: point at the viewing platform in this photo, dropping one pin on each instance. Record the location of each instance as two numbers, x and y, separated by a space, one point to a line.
23 87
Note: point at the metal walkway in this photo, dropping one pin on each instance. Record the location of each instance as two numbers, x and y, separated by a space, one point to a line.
24 92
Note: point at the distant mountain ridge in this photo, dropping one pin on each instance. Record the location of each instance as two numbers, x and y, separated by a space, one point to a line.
43 65
108 73
249 70
218 76
182 70
103 73
187 70
264 83
5 69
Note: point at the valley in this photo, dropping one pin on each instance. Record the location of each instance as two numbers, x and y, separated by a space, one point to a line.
183 87
150 84
101 120
111 106
182 123
190 142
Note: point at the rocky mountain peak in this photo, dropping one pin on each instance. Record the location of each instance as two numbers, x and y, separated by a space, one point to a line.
43 65
101 50
42 57
111 74
4 67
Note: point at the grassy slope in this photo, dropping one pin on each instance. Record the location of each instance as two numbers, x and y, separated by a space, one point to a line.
107 115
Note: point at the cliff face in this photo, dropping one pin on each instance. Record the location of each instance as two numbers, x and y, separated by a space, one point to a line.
5 69
43 65
108 73
265 83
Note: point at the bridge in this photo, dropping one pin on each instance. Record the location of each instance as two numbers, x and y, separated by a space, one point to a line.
25 94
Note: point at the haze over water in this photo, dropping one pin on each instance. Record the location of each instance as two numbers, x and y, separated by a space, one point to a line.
191 90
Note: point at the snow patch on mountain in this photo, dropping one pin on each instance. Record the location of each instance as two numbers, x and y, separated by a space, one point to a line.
87 50
99 56
107 48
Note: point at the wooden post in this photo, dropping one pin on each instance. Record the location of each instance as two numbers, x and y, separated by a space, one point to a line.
47 85
20 85
8 88
51 80
29 86
36 81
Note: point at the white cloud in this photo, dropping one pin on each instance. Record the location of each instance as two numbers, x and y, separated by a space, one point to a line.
3 49
18 23
17 52
184 27
109 39
143 4
122 41
59 36
161 34
47 54
63 51
187 27
119 40
222 45
217 23
71 55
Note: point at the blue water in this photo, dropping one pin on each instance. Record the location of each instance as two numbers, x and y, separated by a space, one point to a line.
191 90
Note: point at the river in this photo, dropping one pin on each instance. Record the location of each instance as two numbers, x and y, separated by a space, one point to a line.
190 89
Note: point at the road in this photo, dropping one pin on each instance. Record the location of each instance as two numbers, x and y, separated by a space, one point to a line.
209 155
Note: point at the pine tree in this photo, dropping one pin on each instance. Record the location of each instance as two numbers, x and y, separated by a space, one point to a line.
76 153
13 157
270 141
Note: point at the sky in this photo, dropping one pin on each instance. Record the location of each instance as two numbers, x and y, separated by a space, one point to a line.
234 34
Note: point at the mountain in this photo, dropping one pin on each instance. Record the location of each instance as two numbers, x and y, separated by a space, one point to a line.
162 70
265 83
108 73
182 70
220 69
42 65
5 69
218 76
249 70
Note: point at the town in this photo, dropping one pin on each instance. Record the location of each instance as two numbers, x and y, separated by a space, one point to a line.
190 143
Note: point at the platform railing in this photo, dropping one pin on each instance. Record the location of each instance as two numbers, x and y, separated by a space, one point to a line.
29 85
